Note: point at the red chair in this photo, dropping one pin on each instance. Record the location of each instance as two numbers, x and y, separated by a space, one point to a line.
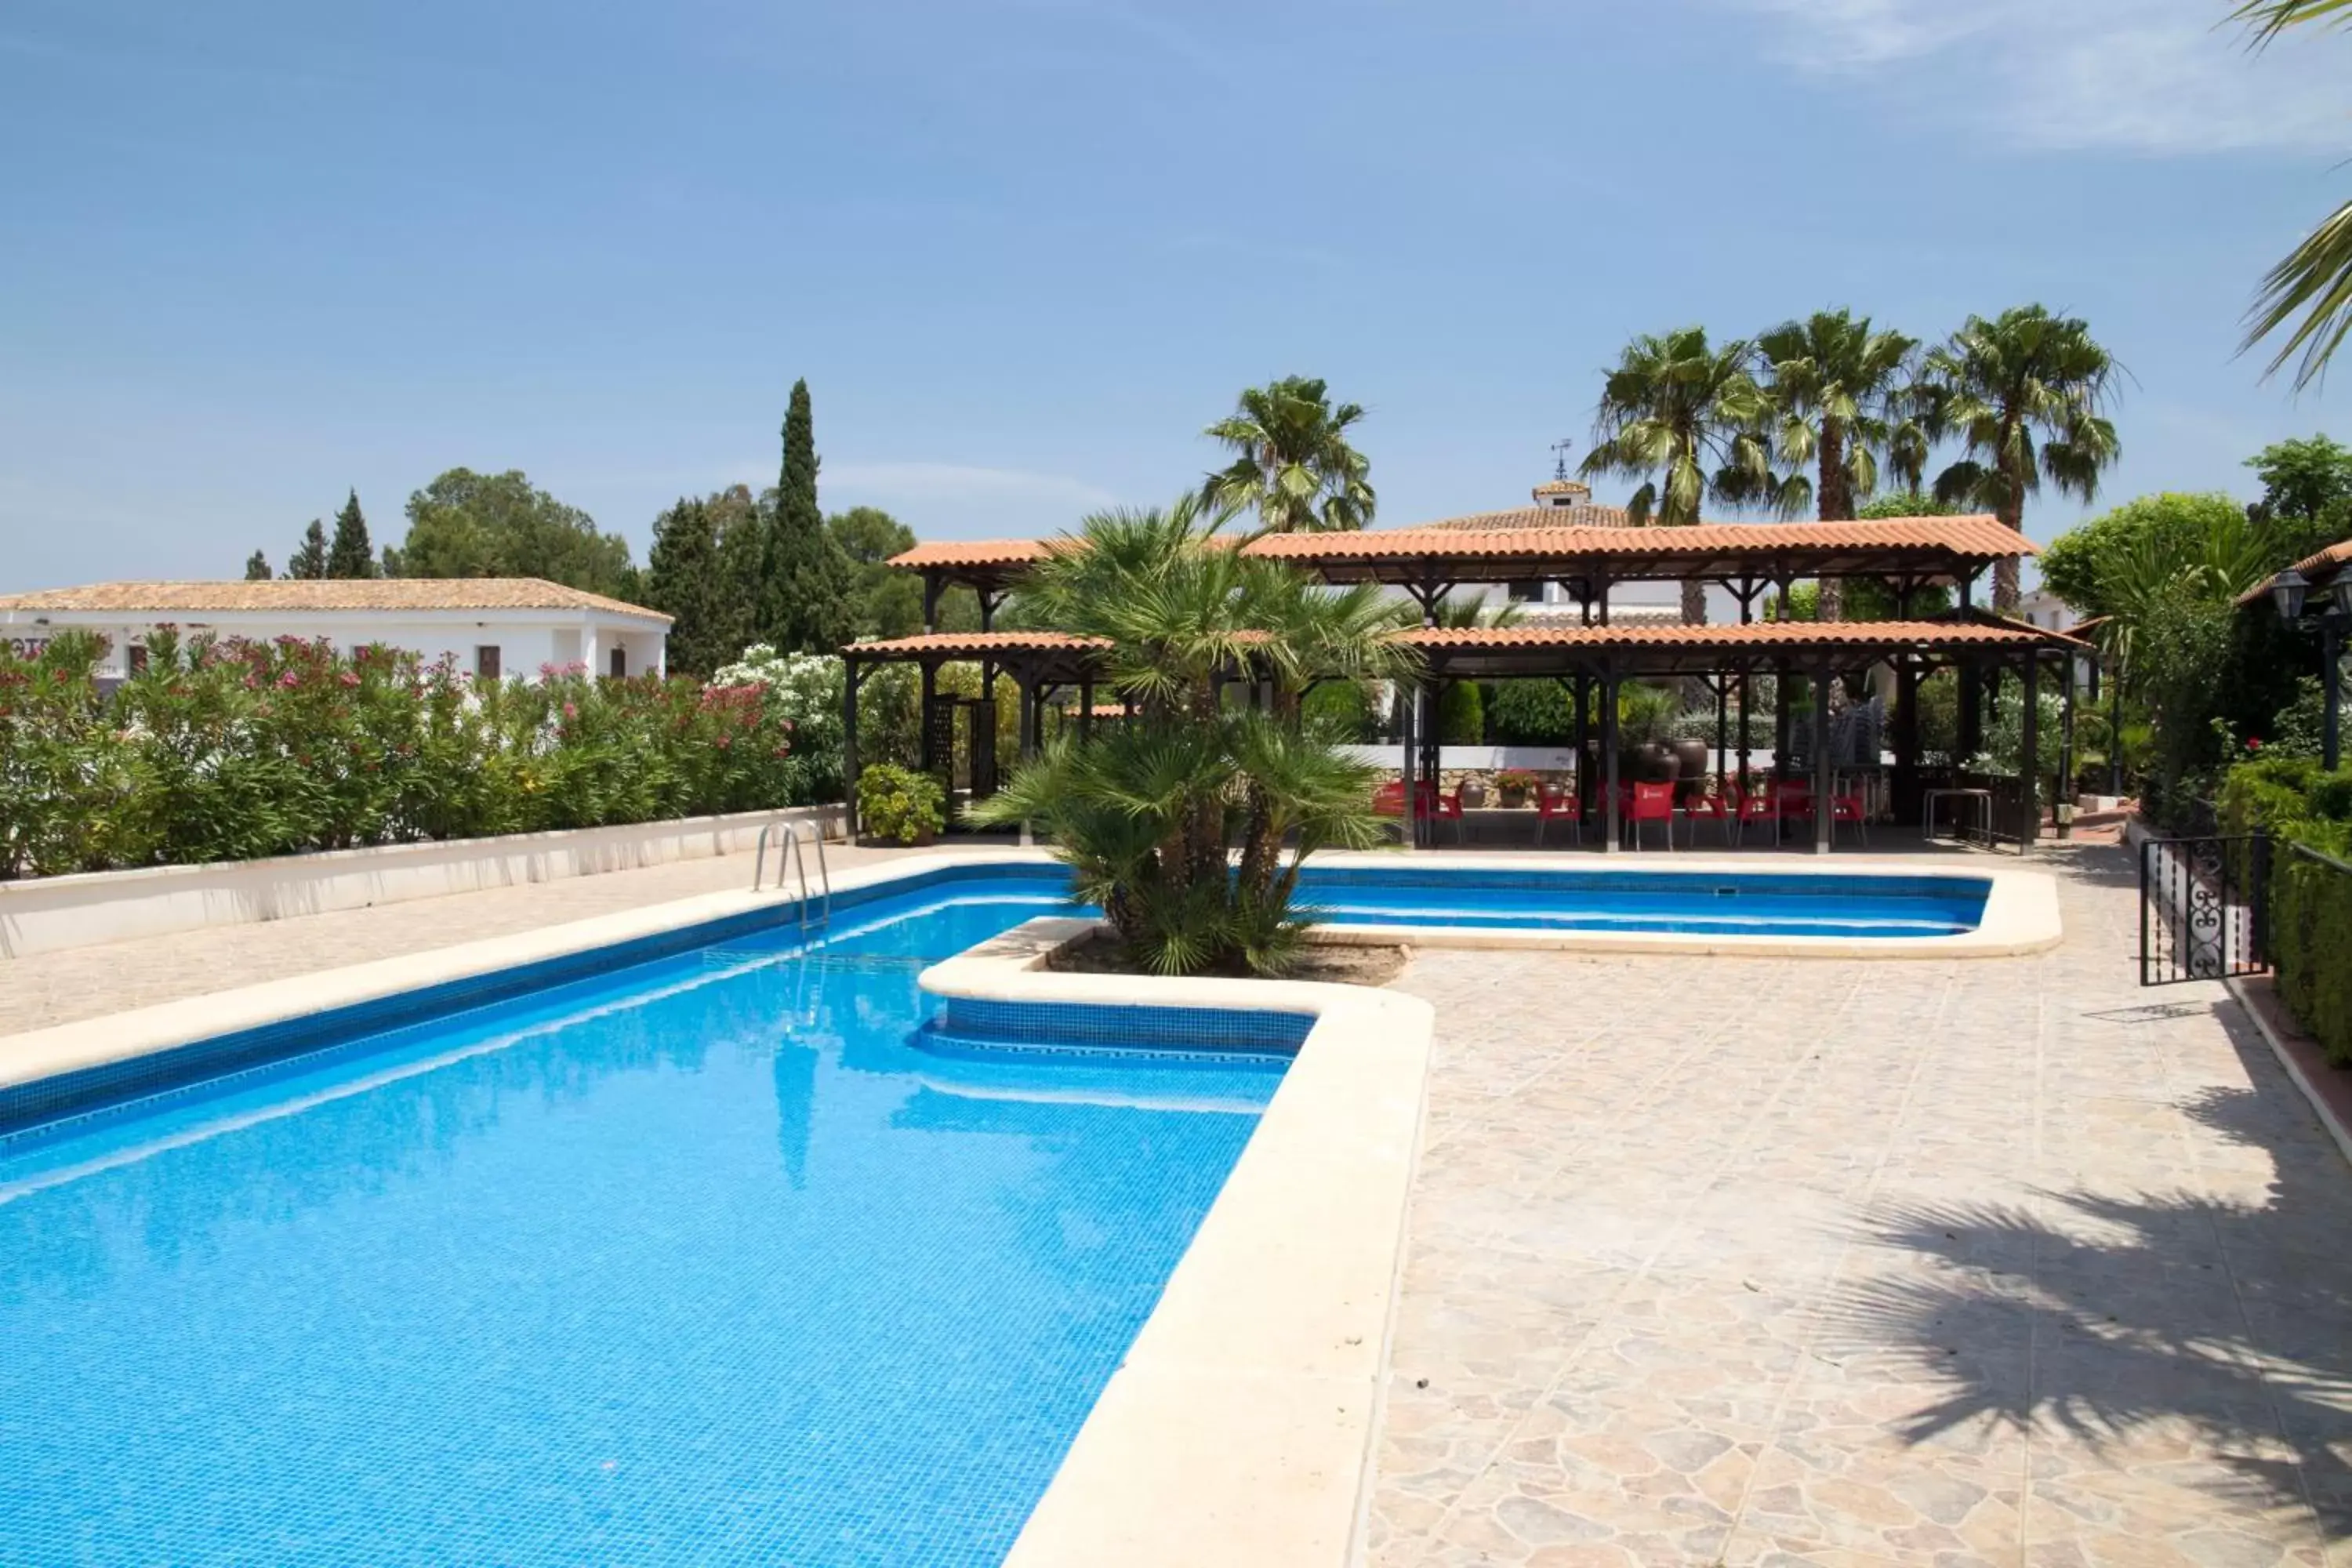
1553 802
1388 800
1436 807
1713 808
1849 808
1652 803
1761 807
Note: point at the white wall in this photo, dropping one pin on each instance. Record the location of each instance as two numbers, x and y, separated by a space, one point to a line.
525 641
46 914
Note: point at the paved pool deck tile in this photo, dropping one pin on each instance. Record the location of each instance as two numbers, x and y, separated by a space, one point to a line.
46 988
1777 1261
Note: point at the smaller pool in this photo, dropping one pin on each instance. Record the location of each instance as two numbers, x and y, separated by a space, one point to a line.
1740 903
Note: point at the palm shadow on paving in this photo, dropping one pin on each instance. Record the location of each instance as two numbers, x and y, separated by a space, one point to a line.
2205 1340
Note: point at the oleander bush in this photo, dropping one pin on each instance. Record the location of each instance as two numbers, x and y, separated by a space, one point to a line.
226 749
2310 893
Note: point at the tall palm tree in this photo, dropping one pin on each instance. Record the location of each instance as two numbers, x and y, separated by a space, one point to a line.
2023 393
1293 464
2315 280
1841 395
1688 419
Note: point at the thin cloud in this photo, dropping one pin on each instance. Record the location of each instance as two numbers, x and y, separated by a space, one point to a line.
2166 76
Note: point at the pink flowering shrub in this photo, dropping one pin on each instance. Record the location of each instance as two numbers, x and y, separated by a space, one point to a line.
230 750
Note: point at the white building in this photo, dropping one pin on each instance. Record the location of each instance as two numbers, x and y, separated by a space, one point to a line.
489 625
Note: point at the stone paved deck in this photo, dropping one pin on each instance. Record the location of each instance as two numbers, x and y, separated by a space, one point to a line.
48 988
1755 1261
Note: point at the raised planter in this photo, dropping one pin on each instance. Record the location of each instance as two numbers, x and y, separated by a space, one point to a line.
49 914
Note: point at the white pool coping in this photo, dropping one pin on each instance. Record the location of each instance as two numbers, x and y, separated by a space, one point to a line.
1239 1427
2021 912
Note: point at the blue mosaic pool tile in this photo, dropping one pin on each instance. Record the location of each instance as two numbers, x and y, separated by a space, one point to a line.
694 1263
1208 1030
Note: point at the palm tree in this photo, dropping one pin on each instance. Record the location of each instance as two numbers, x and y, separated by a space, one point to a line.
1841 395
1293 464
2315 280
1688 421
2023 393
1146 813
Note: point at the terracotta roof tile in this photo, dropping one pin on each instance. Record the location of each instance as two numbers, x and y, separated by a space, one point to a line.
1756 634
327 593
1563 487
2320 569
1547 517
973 553
976 645
1531 530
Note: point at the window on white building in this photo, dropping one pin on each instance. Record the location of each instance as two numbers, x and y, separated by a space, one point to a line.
620 664
485 662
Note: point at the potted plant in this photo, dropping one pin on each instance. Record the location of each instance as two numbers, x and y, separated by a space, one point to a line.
1472 792
1512 784
898 806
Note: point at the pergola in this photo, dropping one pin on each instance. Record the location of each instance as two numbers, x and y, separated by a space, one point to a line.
1427 562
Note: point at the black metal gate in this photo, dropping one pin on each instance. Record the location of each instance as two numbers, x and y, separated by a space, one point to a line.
2203 910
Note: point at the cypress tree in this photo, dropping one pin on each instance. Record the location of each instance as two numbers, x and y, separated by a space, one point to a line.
682 580
805 599
743 531
310 560
351 555
256 567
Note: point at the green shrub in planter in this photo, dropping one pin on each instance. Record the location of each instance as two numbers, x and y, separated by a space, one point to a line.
899 803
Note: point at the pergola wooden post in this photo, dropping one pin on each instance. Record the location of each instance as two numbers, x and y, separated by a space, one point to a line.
1824 776
2029 766
1608 843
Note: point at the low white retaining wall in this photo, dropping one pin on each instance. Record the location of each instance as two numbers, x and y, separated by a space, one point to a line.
50 913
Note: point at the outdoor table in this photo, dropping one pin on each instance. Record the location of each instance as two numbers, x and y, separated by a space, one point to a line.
1980 798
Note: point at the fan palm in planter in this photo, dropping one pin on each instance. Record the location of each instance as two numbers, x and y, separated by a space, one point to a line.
1189 821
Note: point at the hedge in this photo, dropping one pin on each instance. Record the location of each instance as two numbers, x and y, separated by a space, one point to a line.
221 750
2308 814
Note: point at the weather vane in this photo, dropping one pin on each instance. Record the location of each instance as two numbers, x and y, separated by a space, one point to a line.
1559 450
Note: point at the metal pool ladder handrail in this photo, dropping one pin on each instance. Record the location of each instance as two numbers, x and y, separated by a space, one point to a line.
799 865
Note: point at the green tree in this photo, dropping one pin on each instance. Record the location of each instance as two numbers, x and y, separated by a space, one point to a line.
310 558
256 567
1906 504
887 602
1841 397
805 579
741 528
1293 463
2306 492
2023 393
682 580
1688 420
350 554
466 524
1147 812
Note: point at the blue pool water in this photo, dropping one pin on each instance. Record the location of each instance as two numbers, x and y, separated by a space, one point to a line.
717 1248
1754 903
717 1259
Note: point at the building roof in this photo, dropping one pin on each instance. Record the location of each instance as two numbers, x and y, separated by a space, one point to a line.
1585 516
1548 542
974 645
1563 486
323 594
2317 569
1651 648
1982 633
1536 531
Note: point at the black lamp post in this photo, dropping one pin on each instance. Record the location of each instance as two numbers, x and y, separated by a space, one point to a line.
2289 590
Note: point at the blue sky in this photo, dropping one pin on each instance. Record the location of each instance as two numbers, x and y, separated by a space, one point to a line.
1024 250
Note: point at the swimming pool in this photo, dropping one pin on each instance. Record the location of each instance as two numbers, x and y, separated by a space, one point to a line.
717 1257
1872 905
713 1246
